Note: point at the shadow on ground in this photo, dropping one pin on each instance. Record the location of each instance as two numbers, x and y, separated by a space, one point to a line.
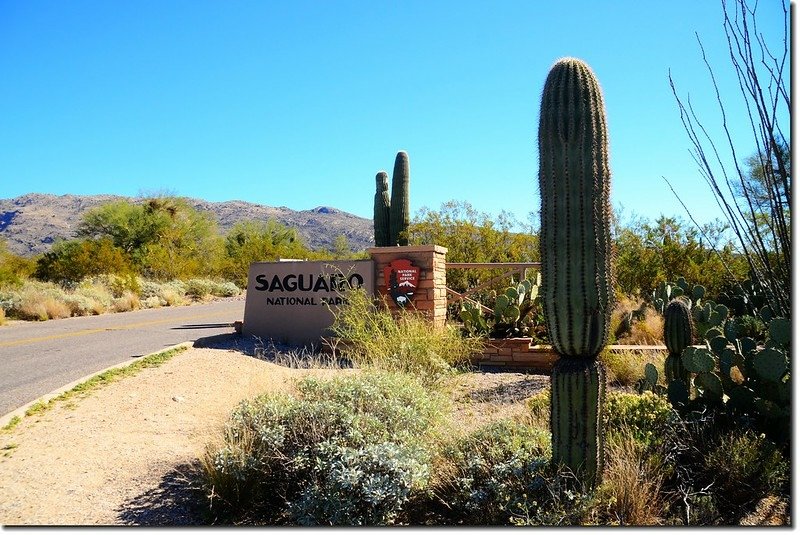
268 350
176 501
510 390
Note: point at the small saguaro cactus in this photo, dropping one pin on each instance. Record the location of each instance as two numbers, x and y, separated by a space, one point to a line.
678 335
576 253
380 219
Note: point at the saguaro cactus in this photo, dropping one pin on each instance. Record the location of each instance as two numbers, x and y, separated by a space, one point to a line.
576 254
399 219
380 219
678 335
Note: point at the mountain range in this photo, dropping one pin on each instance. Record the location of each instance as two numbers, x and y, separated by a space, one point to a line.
31 223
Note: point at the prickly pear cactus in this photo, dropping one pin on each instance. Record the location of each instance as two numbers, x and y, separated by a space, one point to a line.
745 379
575 244
380 219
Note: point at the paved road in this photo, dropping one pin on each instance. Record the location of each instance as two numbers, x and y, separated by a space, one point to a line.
39 357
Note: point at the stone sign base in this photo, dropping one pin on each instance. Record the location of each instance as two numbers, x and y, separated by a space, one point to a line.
430 295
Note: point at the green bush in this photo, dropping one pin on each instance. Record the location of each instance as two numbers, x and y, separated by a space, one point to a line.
358 486
345 451
492 474
69 262
646 416
13 269
745 467
374 338
199 288
225 289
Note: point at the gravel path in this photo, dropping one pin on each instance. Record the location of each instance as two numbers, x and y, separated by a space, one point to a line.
125 454
122 454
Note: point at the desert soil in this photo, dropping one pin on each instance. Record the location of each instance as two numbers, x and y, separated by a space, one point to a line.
126 454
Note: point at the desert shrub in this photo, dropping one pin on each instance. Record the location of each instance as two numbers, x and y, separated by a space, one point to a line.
539 407
374 338
2 316
484 477
95 292
168 293
225 289
117 285
128 301
151 302
345 451
82 305
36 301
199 288
626 367
43 308
358 486
745 467
644 417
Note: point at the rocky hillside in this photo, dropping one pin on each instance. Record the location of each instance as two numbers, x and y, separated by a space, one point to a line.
31 223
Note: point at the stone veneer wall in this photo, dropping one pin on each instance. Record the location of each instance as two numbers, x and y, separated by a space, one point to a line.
518 353
430 296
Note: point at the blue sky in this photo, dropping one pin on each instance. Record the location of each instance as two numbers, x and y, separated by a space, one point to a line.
299 103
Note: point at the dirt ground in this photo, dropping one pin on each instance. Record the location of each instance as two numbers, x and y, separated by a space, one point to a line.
125 454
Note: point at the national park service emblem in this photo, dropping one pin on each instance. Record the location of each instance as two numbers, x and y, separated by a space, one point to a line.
401 281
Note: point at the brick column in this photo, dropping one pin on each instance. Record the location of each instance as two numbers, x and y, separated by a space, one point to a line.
430 296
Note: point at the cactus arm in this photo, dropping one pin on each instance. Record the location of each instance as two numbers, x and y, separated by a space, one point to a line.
381 210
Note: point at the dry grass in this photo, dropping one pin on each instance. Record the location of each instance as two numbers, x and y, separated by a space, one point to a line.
631 485
172 298
128 301
374 338
624 368
2 316
649 331
40 307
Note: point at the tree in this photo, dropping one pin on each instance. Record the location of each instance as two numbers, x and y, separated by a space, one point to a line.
13 269
755 197
259 241
164 237
472 236
69 262
649 253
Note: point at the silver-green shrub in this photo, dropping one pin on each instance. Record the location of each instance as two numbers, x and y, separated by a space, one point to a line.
347 451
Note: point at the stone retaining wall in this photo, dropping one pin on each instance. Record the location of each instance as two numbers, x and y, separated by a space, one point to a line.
518 353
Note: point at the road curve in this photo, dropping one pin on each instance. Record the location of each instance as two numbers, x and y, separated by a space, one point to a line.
39 357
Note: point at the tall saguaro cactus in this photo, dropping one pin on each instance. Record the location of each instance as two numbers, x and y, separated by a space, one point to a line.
399 220
576 254
380 219
391 215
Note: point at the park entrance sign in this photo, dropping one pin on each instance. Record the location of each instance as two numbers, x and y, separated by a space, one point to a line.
290 302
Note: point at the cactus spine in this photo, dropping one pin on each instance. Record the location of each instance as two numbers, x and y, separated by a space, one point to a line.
575 242
399 219
678 335
380 219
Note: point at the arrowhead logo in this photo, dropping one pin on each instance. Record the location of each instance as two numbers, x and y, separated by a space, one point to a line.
401 281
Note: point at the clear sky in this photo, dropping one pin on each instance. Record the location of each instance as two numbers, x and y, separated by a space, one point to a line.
300 103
